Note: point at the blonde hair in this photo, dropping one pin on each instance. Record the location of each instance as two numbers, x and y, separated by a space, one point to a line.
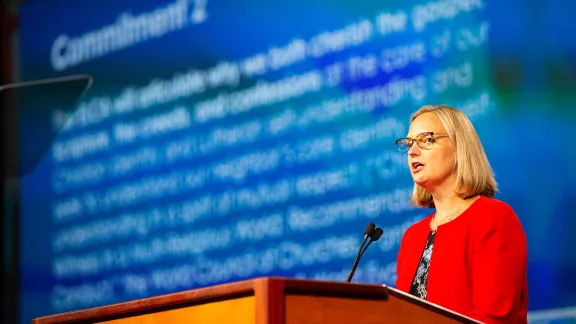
474 176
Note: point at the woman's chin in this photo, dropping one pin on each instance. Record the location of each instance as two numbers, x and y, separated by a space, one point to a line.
422 182
419 179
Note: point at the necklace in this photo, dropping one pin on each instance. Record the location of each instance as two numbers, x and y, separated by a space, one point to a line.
451 217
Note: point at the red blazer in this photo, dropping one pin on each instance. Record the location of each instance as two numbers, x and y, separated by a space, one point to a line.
478 263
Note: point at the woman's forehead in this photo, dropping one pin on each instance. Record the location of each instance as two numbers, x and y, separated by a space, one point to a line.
425 123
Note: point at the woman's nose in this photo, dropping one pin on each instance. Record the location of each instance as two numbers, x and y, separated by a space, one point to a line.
414 150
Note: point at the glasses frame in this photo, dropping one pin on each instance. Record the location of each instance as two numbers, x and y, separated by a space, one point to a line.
411 141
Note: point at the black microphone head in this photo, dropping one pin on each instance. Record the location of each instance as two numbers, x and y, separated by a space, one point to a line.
376 234
370 229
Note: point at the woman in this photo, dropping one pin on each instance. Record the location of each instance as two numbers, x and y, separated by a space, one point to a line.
470 254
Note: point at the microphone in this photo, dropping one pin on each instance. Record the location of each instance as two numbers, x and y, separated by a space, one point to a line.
373 238
368 232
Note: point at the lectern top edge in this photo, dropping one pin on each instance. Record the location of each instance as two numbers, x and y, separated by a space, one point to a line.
150 304
426 304
77 77
263 286
270 296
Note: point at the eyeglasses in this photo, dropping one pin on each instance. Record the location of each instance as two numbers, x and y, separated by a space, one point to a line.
423 140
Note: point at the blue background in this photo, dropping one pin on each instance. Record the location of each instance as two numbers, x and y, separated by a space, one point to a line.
523 77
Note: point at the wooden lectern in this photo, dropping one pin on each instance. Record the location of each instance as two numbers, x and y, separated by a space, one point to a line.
270 300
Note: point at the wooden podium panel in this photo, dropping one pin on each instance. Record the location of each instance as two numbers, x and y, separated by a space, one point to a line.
237 310
312 309
270 300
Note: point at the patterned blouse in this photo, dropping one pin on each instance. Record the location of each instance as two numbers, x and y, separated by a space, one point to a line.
420 282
